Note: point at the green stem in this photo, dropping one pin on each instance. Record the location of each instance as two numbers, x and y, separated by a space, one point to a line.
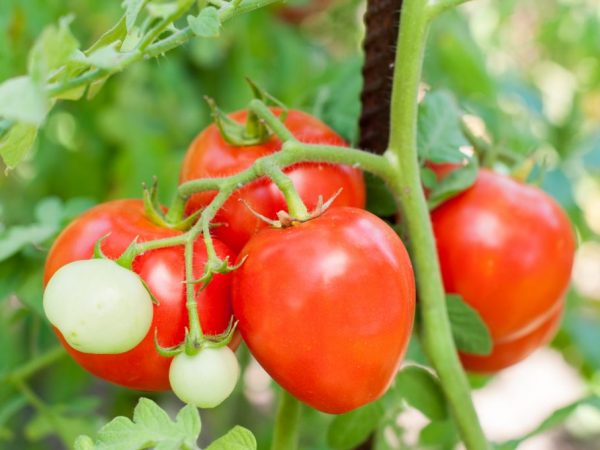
176 210
402 154
296 206
35 365
195 329
56 424
155 49
292 153
285 434
172 241
272 121
438 7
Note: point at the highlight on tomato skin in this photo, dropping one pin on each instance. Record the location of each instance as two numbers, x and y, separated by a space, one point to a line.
210 155
331 318
507 248
143 368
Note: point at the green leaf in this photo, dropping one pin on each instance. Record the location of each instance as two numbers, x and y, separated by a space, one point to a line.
23 100
353 428
15 238
555 419
132 11
15 144
151 427
470 332
84 443
52 49
379 199
421 390
439 133
439 435
207 23
163 10
238 438
454 183
116 33
108 57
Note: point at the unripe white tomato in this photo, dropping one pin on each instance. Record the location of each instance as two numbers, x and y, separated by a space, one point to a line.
98 306
205 379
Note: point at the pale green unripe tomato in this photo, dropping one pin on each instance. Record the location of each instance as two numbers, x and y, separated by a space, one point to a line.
98 306
206 378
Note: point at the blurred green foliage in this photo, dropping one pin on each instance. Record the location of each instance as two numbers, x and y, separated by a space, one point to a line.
530 70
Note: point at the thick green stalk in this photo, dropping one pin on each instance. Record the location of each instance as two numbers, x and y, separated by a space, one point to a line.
402 153
285 435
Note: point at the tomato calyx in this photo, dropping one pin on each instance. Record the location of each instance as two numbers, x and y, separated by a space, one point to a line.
286 220
254 131
213 266
174 219
192 346
125 261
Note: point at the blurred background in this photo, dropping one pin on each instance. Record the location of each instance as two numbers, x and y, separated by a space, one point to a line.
529 69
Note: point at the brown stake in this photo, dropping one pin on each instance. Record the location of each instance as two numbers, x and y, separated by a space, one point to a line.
381 21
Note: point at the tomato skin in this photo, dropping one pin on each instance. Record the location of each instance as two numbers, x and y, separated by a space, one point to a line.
162 269
507 249
84 298
210 156
205 379
327 307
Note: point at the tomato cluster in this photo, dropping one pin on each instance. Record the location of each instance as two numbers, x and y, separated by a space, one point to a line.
318 302
325 305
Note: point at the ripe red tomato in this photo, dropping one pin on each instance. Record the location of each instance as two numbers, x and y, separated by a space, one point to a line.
507 248
327 306
211 156
142 367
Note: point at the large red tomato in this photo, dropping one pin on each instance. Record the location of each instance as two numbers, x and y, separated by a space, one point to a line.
211 156
163 271
327 306
507 248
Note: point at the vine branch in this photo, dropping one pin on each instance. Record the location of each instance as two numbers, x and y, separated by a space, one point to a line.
436 332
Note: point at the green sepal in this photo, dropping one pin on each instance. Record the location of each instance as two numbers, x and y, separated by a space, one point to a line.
214 266
167 352
152 207
98 253
127 257
235 133
222 339
152 297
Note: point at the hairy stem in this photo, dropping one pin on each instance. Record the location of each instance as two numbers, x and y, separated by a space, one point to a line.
402 153
296 206
285 435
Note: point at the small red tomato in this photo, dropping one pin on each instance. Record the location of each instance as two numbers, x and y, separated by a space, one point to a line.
163 271
211 156
327 306
507 248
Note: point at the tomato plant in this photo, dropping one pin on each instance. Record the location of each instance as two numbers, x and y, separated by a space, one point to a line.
162 269
507 248
84 299
211 156
325 299
331 317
